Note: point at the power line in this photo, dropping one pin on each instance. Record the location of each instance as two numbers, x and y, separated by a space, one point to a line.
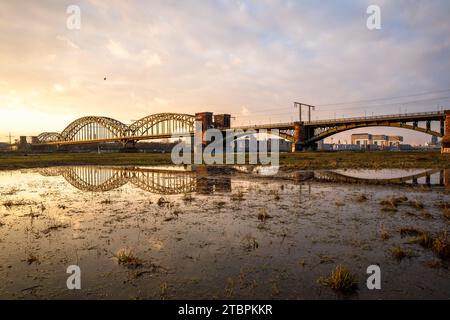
353 108
393 103
382 99
361 101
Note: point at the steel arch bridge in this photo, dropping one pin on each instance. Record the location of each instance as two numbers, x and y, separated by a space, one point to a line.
162 123
92 129
49 137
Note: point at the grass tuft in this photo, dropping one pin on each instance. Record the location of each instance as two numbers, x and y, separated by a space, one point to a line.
341 280
127 258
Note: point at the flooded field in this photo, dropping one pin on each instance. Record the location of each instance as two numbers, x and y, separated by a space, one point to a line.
226 233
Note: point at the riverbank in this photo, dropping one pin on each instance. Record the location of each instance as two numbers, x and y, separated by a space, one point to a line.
302 160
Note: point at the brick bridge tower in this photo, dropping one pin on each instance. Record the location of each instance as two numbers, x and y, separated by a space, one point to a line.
446 138
208 121
301 134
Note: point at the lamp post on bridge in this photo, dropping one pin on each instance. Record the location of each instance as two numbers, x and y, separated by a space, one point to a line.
300 105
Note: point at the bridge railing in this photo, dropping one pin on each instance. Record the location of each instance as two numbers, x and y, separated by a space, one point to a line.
327 121
400 115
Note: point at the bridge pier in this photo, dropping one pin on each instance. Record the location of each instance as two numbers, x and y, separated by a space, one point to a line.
446 138
301 135
208 121
205 119
129 146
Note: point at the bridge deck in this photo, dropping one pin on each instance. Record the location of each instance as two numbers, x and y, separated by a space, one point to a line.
408 117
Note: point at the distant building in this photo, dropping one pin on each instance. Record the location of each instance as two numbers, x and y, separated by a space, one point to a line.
379 140
4 146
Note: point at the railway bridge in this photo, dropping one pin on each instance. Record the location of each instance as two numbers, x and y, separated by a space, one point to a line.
304 135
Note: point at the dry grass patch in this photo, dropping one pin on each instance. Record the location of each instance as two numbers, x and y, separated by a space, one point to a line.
341 280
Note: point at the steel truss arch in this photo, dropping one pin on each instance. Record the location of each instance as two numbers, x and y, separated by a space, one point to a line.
115 127
170 123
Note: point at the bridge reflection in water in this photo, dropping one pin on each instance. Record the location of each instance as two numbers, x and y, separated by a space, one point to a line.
432 177
157 180
207 180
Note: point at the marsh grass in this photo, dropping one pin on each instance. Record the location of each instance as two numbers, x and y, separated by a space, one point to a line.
32 259
384 233
446 213
16 203
441 246
249 243
341 280
187 197
416 204
263 215
55 226
11 192
399 253
239 196
361 198
162 202
393 202
410 231
339 203
106 201
127 258
423 239
303 160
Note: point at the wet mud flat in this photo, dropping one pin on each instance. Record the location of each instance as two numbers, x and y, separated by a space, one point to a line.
178 233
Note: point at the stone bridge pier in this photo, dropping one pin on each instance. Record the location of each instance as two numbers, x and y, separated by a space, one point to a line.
301 134
208 121
446 138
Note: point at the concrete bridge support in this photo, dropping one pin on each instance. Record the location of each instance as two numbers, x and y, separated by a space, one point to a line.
446 138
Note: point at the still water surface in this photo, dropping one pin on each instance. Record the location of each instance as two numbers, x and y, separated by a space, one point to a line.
228 233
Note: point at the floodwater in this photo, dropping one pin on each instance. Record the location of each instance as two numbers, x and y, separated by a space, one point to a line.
226 233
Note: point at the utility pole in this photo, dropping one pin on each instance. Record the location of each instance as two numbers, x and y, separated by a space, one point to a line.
10 137
299 105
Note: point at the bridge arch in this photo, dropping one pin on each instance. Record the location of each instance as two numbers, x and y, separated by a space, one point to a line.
337 176
49 137
162 124
327 132
92 127
94 179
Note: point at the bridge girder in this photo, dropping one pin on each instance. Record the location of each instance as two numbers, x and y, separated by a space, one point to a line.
325 132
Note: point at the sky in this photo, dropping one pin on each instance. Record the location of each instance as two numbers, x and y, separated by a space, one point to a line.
251 59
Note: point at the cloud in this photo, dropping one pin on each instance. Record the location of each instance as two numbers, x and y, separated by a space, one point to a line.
153 60
244 111
117 49
67 42
57 88
221 55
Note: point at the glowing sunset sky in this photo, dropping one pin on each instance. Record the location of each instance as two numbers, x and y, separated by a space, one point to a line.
248 58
